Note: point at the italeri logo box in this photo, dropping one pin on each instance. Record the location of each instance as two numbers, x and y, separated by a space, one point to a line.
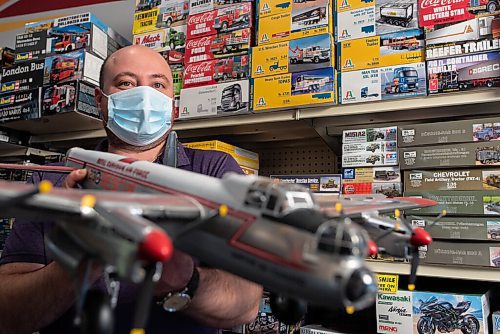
215 71
155 14
20 105
450 155
367 180
397 48
317 183
369 135
220 21
465 253
466 228
292 56
215 100
300 19
201 6
432 12
452 179
218 46
486 129
69 96
294 89
168 39
369 159
464 72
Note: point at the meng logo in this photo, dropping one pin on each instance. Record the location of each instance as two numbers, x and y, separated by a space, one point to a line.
348 63
261 103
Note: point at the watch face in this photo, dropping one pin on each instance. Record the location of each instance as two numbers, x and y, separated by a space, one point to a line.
176 302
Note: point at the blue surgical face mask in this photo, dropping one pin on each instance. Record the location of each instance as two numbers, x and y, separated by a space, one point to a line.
139 116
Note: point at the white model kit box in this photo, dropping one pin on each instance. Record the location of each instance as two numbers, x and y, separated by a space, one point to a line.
394 313
215 100
369 159
369 135
374 147
360 86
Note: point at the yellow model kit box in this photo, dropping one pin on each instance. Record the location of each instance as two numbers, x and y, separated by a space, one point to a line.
243 157
399 48
294 89
292 56
308 18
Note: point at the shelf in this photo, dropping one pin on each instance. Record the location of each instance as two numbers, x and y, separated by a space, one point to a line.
468 273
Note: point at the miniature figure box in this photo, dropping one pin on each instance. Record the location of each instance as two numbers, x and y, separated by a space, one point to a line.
460 228
367 180
69 96
216 71
452 179
486 129
244 157
221 20
397 48
294 89
441 12
370 159
155 14
301 19
296 55
167 39
317 183
201 6
227 44
463 155
20 105
465 253
464 72
222 99
369 135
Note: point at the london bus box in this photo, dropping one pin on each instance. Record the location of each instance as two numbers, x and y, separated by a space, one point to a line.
296 55
15 106
397 48
69 96
151 15
463 73
299 19
215 71
433 13
222 99
165 39
305 88
201 6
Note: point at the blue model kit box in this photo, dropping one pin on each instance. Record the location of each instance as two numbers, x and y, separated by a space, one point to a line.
496 322
318 183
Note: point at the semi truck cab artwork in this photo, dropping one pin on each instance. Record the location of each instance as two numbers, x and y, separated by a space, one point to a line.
398 14
58 97
71 41
313 16
230 68
231 98
489 6
171 14
233 41
404 79
313 54
62 68
309 83
231 17
175 39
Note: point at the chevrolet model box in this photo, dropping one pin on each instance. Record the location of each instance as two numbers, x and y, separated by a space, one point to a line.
317 183
460 228
20 105
70 96
201 6
452 179
464 254
156 14
433 13
369 135
244 157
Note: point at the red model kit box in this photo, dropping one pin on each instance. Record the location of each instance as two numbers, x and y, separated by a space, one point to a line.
20 105
432 12
220 21
215 71
218 46
69 96
385 180
201 6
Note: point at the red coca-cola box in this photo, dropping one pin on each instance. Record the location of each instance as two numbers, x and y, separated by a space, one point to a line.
437 12
220 21
215 71
218 46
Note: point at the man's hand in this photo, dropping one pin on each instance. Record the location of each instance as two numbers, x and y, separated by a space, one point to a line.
74 178
176 274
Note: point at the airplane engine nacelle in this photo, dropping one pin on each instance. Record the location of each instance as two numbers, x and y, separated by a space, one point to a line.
287 310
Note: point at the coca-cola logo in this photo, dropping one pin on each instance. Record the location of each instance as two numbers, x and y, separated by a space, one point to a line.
202 18
202 67
436 3
196 43
151 39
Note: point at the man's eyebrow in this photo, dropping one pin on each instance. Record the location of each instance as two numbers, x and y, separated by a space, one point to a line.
122 74
160 76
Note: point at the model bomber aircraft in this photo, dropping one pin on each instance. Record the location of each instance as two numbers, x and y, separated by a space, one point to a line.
131 214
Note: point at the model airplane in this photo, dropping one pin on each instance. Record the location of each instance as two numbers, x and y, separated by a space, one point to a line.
274 234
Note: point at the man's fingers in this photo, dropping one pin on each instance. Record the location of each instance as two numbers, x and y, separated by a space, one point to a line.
74 177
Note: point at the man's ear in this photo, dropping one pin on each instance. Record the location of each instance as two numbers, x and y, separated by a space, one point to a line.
98 97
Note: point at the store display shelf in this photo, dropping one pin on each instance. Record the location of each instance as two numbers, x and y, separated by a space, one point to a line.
456 272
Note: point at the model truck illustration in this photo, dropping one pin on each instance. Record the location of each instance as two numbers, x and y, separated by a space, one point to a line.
470 30
146 5
175 39
402 43
365 93
493 180
69 41
58 97
386 175
231 98
314 54
373 147
229 42
488 155
494 232
62 68
482 74
171 14
309 83
404 79
231 17
397 14
310 17
372 159
487 134
230 68
490 6
330 184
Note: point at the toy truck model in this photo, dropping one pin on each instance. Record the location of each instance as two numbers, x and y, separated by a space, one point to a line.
175 38
231 17
225 43
229 68
330 184
386 175
70 41
397 14
372 159
487 134
365 94
310 17
488 155
404 79
481 74
171 14
277 66
490 6
62 68
56 98
309 83
493 180
494 232
373 147
401 43
314 54
147 5
231 98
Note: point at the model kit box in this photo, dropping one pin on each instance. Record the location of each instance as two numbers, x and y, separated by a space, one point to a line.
374 147
294 89
244 157
72 66
465 253
20 105
464 72
22 77
463 155
7 56
369 135
222 99
216 71
486 129
220 21
201 6
69 96
367 180
177 75
154 14
452 179
394 312
360 86
168 39
465 228
145 21
306 18
317 183
218 46
496 322
369 159
437 12
316 329
296 55
174 58
397 48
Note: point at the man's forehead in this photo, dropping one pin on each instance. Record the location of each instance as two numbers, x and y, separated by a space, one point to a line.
137 61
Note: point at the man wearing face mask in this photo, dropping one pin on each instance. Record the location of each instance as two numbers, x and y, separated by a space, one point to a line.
135 100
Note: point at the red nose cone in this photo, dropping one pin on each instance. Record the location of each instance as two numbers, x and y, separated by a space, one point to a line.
420 237
156 247
372 248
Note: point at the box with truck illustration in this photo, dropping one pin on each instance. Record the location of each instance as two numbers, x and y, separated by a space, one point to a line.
20 105
166 39
297 19
296 55
372 180
370 159
433 13
215 71
317 183
373 147
397 48
452 179
201 6
151 15
215 100
294 89
370 135
482 254
69 96
460 228
464 72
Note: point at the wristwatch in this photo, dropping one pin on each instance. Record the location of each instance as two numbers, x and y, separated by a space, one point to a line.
179 300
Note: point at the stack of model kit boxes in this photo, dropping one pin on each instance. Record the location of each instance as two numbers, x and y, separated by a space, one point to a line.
380 50
57 67
215 79
362 150
5 227
462 174
293 64
462 44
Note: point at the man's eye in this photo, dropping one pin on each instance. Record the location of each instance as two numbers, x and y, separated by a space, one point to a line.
125 84
158 85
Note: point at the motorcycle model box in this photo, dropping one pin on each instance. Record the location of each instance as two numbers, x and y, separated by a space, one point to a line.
460 228
235 17
151 15
218 46
201 6
317 183
167 39
482 254
462 155
306 88
369 135
452 179
367 180
70 96
300 19
370 159
486 129
20 105
464 72
243 157
433 13
227 98
296 55
215 71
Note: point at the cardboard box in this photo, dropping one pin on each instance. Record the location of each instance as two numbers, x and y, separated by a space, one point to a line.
7 57
151 15
435 12
370 159
464 72
300 19
294 89
22 77
372 180
317 183
471 202
316 329
369 135
463 155
374 147
496 322
221 20
466 253
460 228
20 105
167 39
201 6
296 55
216 71
174 58
397 48
452 179
394 312
177 75
485 129
215 100
70 96
244 157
